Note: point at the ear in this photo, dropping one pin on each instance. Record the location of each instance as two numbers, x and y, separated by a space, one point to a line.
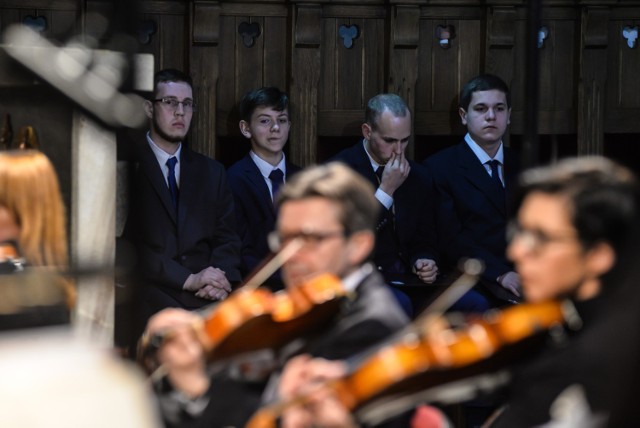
359 246
463 115
244 129
148 108
600 259
366 131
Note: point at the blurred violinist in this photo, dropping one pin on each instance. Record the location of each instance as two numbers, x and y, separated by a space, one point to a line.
572 229
331 211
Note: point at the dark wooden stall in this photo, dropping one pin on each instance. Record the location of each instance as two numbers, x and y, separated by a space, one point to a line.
332 55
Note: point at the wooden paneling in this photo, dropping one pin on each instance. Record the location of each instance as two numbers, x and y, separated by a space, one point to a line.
588 75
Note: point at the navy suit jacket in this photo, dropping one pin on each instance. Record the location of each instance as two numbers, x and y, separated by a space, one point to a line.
255 213
172 246
411 235
471 216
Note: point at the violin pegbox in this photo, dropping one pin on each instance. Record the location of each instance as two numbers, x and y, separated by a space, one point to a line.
631 34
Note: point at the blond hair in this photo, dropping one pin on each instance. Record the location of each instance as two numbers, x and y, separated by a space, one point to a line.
29 189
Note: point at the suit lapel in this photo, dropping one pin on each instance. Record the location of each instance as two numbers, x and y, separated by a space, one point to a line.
149 164
257 181
475 173
188 184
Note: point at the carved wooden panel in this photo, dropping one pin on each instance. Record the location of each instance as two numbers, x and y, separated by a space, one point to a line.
623 84
247 60
443 72
350 76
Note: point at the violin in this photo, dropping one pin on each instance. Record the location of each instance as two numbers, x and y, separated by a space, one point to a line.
430 354
253 318
250 320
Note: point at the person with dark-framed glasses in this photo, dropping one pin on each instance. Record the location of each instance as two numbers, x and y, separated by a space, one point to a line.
331 212
574 240
181 218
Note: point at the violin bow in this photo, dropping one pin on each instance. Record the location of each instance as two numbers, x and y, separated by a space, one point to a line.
471 270
275 263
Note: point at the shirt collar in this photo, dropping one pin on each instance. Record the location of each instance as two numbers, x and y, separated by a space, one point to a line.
161 155
374 164
482 156
265 167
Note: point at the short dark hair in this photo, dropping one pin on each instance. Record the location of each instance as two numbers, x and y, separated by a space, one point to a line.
603 197
336 182
263 97
170 75
483 82
382 102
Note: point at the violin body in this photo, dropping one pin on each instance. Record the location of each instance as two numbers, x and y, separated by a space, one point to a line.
435 353
254 319
429 358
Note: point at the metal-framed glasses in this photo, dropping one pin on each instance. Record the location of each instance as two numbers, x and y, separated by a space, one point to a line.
172 104
534 240
308 238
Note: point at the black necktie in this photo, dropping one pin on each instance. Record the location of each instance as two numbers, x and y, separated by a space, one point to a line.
379 172
495 175
173 184
276 181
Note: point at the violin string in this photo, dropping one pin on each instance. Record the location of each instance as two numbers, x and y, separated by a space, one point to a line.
279 259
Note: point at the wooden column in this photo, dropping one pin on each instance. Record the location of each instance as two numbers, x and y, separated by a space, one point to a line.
305 74
93 225
593 76
203 66
403 70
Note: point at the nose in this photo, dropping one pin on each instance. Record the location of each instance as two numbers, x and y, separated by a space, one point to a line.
275 126
180 110
491 114
397 147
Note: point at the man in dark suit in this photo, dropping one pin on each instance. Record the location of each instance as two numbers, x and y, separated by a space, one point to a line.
181 212
405 233
255 179
474 182
330 211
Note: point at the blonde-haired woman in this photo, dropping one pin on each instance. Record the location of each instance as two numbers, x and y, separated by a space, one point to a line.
29 189
33 211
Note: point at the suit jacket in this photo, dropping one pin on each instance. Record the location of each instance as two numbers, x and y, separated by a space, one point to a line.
255 213
365 320
471 215
409 234
171 245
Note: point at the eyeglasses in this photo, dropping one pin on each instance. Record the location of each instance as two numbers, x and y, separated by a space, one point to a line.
309 239
172 103
534 240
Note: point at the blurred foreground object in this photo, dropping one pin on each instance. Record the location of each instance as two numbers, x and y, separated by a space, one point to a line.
51 379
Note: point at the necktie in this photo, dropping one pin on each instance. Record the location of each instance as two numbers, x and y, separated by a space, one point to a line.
379 172
276 177
173 184
495 175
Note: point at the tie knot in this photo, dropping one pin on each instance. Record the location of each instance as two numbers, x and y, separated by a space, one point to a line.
276 175
171 163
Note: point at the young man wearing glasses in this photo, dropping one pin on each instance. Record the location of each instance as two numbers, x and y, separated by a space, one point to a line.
181 210
256 178
574 240
331 212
